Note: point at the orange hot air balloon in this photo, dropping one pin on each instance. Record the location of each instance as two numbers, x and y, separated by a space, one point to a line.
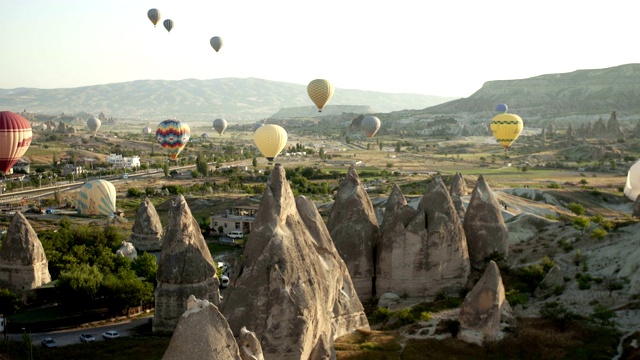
15 138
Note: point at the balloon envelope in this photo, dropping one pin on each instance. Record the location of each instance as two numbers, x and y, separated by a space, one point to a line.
168 24
506 128
94 123
97 197
220 125
270 140
173 136
146 130
216 43
370 125
502 108
320 91
154 16
15 138
632 187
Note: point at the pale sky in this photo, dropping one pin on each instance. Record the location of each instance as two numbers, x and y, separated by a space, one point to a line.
445 48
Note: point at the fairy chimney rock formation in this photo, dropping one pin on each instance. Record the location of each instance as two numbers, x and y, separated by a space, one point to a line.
185 268
484 226
424 252
599 128
127 250
395 201
613 127
485 310
202 332
23 264
355 232
146 234
458 186
249 346
293 289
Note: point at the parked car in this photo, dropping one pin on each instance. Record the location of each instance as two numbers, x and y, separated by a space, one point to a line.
48 343
224 281
111 334
86 337
236 234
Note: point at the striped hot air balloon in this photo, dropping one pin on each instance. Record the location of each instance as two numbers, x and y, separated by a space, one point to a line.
97 197
320 91
15 138
173 136
506 128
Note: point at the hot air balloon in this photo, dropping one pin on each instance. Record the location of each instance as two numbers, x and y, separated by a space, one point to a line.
146 130
502 108
168 24
204 135
154 16
15 138
270 140
370 125
220 125
216 43
173 136
94 124
506 128
97 197
256 126
632 187
320 91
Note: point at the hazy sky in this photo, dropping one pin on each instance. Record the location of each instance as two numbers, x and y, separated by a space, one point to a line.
447 48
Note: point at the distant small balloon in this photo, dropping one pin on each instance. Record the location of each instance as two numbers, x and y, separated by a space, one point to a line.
154 16
370 125
93 123
216 43
220 125
502 108
168 24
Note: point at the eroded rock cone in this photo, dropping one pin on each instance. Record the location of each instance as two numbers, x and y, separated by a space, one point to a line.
395 201
354 229
484 226
485 308
249 346
202 333
186 268
424 252
293 289
146 234
458 186
23 263
552 282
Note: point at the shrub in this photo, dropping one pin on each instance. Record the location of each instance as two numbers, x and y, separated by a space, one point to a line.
598 233
133 192
576 208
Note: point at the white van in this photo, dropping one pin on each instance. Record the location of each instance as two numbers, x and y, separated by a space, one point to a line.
236 234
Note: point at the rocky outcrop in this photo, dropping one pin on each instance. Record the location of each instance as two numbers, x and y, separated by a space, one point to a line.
636 131
127 250
551 282
249 346
484 225
571 134
458 186
355 232
613 127
424 252
202 332
551 130
599 128
23 263
525 226
146 234
543 134
485 310
293 289
395 201
185 268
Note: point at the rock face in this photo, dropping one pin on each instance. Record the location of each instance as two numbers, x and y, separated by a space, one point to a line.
186 268
23 264
551 281
458 186
249 345
395 201
484 225
202 331
636 208
146 234
355 232
485 308
293 289
127 250
424 252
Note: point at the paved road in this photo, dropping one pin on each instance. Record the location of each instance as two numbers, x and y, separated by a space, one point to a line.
68 337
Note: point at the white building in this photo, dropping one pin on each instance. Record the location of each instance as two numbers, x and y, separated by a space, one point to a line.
123 162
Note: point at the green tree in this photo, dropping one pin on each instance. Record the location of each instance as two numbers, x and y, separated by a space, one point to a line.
145 266
581 223
79 285
254 162
125 290
202 166
321 153
598 233
166 169
9 302
380 145
576 208
398 147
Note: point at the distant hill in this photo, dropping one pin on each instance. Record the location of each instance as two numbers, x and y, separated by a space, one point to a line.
233 98
584 92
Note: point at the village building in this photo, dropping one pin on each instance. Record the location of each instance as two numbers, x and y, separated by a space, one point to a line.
238 218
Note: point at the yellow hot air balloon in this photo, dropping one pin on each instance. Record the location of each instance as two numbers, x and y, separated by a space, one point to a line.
320 91
506 128
270 140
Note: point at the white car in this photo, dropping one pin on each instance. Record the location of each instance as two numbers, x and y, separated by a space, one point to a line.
236 234
86 337
111 334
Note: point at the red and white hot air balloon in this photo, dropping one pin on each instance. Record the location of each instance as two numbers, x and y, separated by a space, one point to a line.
15 138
